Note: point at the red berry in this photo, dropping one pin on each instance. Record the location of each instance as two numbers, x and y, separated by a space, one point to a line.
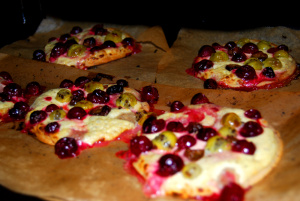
176 106
253 114
251 129
232 192
239 57
175 126
230 45
66 147
19 111
210 84
140 144
246 72
52 127
5 75
206 133
76 113
33 88
268 72
186 141
203 65
243 146
199 98
58 50
149 94
249 48
76 30
39 55
37 116
66 84
81 81
98 96
153 125
206 51
51 108
169 164
194 127
13 89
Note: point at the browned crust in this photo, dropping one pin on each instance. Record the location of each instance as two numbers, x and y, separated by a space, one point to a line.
41 135
105 56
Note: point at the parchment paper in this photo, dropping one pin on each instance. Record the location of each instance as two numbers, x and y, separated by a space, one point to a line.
31 167
171 69
141 66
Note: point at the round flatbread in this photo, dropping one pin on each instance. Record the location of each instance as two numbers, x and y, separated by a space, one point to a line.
244 65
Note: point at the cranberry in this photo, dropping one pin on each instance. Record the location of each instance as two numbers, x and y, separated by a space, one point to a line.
5 75
97 26
206 133
176 106
149 94
100 111
13 89
50 108
128 42
194 127
76 113
272 50
58 50
260 55
243 146
186 141
63 38
81 81
210 84
199 98
52 127
268 72
33 88
89 42
122 83
203 65
283 47
66 147
206 51
251 129
66 84
217 46
37 116
39 55
153 125
76 30
77 96
253 114
140 144
175 126
230 45
249 48
114 89
108 44
98 96
232 192
19 110
100 31
246 72
235 50
239 57
169 164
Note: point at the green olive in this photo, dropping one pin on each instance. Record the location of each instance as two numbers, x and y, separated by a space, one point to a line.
64 95
281 53
76 50
255 63
191 170
85 104
226 131
57 114
115 36
273 63
217 144
231 120
219 56
263 45
242 42
126 100
165 140
92 86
